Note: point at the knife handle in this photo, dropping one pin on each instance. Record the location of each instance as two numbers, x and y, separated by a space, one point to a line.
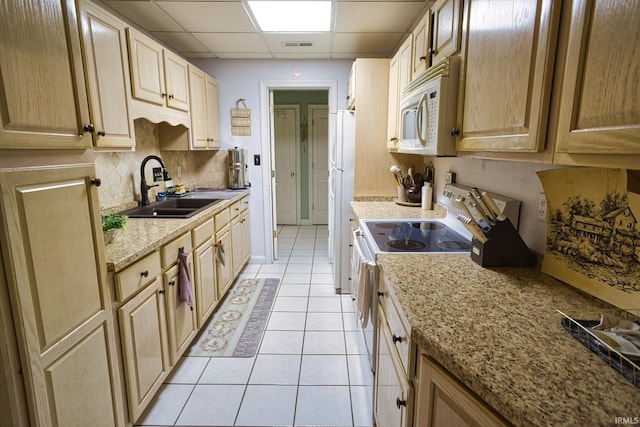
491 204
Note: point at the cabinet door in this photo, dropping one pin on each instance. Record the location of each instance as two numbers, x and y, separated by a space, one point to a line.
421 47
205 280
224 273
176 81
56 277
394 103
213 113
506 75
405 64
246 238
237 241
391 390
182 322
143 331
43 99
198 107
447 15
600 102
441 401
107 71
147 72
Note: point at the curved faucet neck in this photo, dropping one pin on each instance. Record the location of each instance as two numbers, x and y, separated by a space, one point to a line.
144 188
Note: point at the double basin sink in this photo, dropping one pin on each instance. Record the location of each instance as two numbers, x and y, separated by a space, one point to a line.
172 208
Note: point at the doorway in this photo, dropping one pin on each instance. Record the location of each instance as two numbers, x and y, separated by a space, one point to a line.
301 139
267 110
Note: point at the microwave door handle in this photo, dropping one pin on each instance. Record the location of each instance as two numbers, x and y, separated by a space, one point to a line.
419 124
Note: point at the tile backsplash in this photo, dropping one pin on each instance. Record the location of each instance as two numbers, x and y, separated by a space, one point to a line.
120 171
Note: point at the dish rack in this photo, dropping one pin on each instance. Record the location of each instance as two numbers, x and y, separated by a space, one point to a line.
581 330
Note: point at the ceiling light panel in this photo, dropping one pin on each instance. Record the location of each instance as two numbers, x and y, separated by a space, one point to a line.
291 15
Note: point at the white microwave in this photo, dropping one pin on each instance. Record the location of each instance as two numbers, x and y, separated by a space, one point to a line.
428 117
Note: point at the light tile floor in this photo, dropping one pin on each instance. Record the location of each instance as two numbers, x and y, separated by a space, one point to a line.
311 368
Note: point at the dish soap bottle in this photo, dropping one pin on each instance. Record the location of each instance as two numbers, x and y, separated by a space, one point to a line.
427 196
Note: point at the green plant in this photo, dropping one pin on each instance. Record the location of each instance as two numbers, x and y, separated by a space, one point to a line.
113 221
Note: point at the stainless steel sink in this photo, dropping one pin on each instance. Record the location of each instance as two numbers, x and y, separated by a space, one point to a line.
172 208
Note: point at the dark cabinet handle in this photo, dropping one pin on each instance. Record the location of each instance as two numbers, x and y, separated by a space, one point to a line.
171 96
396 339
161 291
96 181
145 273
400 403
394 139
380 293
172 283
101 133
89 128
164 95
422 58
455 132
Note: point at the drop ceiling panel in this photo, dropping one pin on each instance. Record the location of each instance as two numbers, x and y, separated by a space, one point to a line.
144 14
225 16
181 42
232 42
371 17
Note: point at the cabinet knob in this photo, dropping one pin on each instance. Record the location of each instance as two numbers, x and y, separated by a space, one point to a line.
394 139
400 403
164 95
455 132
171 96
172 283
145 273
161 291
101 133
96 181
396 339
422 58
89 128
380 293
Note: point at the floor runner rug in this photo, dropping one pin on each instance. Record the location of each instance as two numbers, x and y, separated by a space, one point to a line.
237 325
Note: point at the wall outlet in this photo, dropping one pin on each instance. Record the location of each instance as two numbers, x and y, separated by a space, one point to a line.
449 177
542 207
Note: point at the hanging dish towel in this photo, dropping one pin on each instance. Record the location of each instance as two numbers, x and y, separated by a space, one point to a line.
185 291
220 252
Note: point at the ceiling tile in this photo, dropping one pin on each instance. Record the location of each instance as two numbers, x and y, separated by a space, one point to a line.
301 55
376 16
235 55
146 15
198 55
382 43
181 42
225 17
232 42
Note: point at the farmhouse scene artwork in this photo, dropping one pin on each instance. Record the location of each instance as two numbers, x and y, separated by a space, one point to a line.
593 231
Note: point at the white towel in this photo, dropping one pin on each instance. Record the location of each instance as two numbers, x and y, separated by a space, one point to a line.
360 288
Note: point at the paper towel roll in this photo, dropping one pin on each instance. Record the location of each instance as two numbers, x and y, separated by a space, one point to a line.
427 196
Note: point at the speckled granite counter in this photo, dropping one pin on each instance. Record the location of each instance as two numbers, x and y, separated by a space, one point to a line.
497 330
392 210
144 235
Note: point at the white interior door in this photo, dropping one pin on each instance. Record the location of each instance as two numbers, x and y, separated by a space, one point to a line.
319 135
287 135
273 235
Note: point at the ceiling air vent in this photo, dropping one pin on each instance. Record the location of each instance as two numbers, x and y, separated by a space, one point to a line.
297 44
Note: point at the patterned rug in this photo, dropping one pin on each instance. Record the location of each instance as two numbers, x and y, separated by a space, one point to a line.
237 325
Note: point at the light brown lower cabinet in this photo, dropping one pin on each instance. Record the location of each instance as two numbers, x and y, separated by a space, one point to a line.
145 351
224 273
442 401
182 321
205 280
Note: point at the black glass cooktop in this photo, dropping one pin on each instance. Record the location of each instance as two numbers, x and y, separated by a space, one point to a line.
416 236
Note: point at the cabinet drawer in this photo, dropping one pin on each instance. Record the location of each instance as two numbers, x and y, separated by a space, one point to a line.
244 204
222 219
399 331
236 208
134 277
170 250
201 233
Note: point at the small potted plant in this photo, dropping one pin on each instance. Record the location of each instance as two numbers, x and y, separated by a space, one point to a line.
111 225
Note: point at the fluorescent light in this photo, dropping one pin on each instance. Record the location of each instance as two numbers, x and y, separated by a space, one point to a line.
292 16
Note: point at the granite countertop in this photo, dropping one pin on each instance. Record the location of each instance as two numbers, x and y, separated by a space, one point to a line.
497 330
392 210
144 235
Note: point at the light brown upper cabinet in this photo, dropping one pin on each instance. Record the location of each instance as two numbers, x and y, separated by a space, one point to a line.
405 61
159 77
394 103
421 47
107 72
43 99
205 111
600 97
506 75
446 18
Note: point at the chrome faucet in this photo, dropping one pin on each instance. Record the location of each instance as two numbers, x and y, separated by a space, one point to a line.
144 188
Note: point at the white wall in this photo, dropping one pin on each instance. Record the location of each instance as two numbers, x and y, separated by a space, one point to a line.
240 78
512 179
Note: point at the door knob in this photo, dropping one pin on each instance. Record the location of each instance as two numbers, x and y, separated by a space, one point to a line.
293 174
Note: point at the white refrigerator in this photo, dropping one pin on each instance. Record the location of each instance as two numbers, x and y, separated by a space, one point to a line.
341 163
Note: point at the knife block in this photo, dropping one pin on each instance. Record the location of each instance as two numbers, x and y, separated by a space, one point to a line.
504 247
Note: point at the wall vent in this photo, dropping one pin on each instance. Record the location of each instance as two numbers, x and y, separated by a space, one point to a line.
297 44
